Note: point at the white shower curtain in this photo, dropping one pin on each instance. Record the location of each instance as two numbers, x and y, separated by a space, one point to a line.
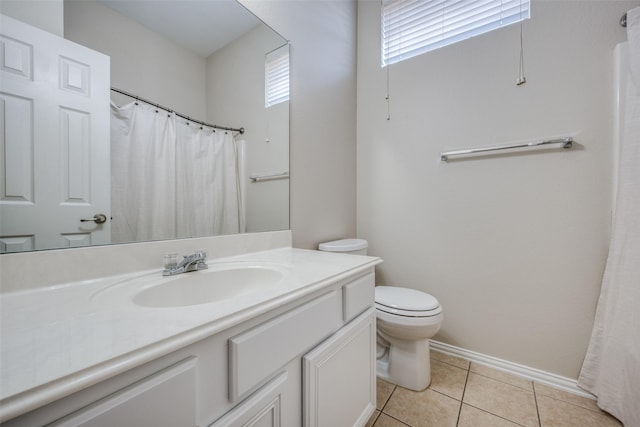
171 178
611 369
143 173
208 183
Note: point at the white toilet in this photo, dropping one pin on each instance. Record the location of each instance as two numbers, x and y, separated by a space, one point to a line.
406 319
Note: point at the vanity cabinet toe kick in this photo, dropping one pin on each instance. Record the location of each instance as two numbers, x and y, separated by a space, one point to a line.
309 363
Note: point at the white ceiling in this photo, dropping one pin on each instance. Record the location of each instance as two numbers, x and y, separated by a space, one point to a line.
202 26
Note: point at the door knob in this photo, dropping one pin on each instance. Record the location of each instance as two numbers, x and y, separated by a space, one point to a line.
97 218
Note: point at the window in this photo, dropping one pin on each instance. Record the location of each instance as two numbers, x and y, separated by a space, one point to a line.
276 76
413 27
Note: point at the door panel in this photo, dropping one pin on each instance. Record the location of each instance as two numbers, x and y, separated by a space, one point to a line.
54 123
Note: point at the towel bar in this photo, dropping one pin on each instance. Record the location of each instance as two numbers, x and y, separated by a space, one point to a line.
566 142
269 176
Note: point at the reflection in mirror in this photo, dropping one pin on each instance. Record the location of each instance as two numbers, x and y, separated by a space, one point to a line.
172 174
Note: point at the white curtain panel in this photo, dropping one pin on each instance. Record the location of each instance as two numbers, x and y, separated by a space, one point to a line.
208 195
143 184
611 369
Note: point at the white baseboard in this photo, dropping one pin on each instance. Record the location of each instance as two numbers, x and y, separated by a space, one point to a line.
546 378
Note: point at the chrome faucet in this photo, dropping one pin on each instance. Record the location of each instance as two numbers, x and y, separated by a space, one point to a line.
193 262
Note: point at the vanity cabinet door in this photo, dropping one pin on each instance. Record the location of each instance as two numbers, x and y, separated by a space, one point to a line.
262 409
166 398
339 376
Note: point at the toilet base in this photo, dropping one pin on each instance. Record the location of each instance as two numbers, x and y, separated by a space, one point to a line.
405 363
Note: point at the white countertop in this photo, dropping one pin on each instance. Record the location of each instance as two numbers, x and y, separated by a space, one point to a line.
60 339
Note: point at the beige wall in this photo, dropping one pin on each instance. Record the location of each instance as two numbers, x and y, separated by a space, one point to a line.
323 114
142 62
235 97
513 246
44 14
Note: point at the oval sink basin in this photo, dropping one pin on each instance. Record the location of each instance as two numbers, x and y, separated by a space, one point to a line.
205 286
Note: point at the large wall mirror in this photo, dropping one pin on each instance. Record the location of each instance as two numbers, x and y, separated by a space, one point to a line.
176 67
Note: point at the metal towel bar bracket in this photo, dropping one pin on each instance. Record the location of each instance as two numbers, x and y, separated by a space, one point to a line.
566 142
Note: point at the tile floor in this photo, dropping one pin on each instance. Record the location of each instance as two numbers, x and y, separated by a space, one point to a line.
466 394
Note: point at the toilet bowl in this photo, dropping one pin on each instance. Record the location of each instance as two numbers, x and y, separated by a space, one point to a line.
406 319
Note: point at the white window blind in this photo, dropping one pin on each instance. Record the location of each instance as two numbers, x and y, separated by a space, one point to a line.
276 76
413 27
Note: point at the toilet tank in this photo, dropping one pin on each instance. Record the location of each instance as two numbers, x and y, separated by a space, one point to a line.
348 246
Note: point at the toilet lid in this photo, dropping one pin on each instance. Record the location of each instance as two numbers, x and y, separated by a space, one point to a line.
405 299
344 245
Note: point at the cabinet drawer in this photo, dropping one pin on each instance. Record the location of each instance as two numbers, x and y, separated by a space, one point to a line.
358 296
258 353
166 398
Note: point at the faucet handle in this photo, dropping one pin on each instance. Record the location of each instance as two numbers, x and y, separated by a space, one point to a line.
170 260
202 260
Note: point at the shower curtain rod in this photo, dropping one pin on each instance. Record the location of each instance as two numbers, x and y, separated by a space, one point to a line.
189 119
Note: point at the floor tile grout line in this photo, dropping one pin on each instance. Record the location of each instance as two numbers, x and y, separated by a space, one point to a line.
442 394
595 411
376 419
451 364
495 415
504 382
535 399
464 389
395 387
391 416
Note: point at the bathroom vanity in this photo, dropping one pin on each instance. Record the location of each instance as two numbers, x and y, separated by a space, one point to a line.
299 350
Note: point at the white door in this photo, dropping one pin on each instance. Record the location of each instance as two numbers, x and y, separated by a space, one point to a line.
54 152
